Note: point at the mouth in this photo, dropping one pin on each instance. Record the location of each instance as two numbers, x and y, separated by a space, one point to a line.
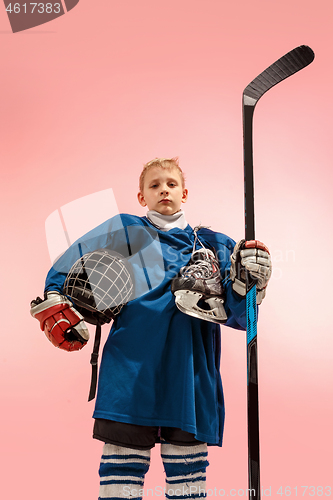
165 200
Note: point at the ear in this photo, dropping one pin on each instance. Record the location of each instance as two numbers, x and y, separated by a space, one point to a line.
141 199
184 196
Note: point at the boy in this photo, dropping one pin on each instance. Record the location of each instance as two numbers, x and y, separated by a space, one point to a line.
159 377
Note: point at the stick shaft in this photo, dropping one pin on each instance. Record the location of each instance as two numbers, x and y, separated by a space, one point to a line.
248 172
252 395
251 315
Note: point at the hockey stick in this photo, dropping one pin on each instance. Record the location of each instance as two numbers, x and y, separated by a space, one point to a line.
290 63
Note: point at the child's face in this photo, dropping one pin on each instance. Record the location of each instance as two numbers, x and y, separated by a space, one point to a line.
163 191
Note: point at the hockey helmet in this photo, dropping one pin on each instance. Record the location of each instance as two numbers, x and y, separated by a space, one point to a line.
99 283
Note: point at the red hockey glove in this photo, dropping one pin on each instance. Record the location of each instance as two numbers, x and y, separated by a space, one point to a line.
252 256
61 323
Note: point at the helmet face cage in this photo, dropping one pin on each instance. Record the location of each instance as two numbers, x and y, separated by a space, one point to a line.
99 284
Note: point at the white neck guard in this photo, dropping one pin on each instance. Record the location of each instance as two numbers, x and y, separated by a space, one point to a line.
166 222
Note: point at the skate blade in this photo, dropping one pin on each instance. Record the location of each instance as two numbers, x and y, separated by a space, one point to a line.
187 302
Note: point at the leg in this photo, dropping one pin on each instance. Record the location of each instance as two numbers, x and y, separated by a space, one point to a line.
185 468
122 472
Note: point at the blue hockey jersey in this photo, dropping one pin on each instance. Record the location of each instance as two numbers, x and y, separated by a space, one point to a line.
159 366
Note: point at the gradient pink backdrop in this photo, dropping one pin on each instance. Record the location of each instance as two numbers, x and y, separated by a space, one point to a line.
85 101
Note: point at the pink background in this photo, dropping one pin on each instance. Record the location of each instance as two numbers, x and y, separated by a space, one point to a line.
85 101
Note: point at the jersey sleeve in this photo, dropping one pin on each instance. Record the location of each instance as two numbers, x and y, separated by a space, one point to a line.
111 234
235 306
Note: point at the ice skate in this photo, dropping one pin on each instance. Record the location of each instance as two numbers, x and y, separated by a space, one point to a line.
198 290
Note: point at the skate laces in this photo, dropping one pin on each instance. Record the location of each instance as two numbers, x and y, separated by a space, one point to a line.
202 268
196 238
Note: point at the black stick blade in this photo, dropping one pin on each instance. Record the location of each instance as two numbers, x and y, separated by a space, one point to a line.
287 65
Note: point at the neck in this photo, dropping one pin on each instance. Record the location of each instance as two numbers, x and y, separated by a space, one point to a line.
166 222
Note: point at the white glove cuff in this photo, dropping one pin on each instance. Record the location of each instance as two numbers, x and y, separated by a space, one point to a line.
240 288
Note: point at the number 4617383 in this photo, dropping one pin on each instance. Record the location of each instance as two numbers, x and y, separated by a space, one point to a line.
34 8
305 491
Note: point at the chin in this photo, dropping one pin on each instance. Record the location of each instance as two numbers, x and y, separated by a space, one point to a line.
166 210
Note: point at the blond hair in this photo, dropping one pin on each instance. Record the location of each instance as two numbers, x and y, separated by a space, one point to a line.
167 163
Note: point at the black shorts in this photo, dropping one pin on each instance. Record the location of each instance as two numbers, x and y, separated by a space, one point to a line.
140 437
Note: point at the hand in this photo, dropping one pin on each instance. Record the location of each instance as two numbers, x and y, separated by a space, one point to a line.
252 257
62 324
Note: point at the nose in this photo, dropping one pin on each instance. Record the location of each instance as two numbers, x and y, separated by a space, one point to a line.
164 190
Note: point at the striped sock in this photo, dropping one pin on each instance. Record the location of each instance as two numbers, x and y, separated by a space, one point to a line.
185 469
122 472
